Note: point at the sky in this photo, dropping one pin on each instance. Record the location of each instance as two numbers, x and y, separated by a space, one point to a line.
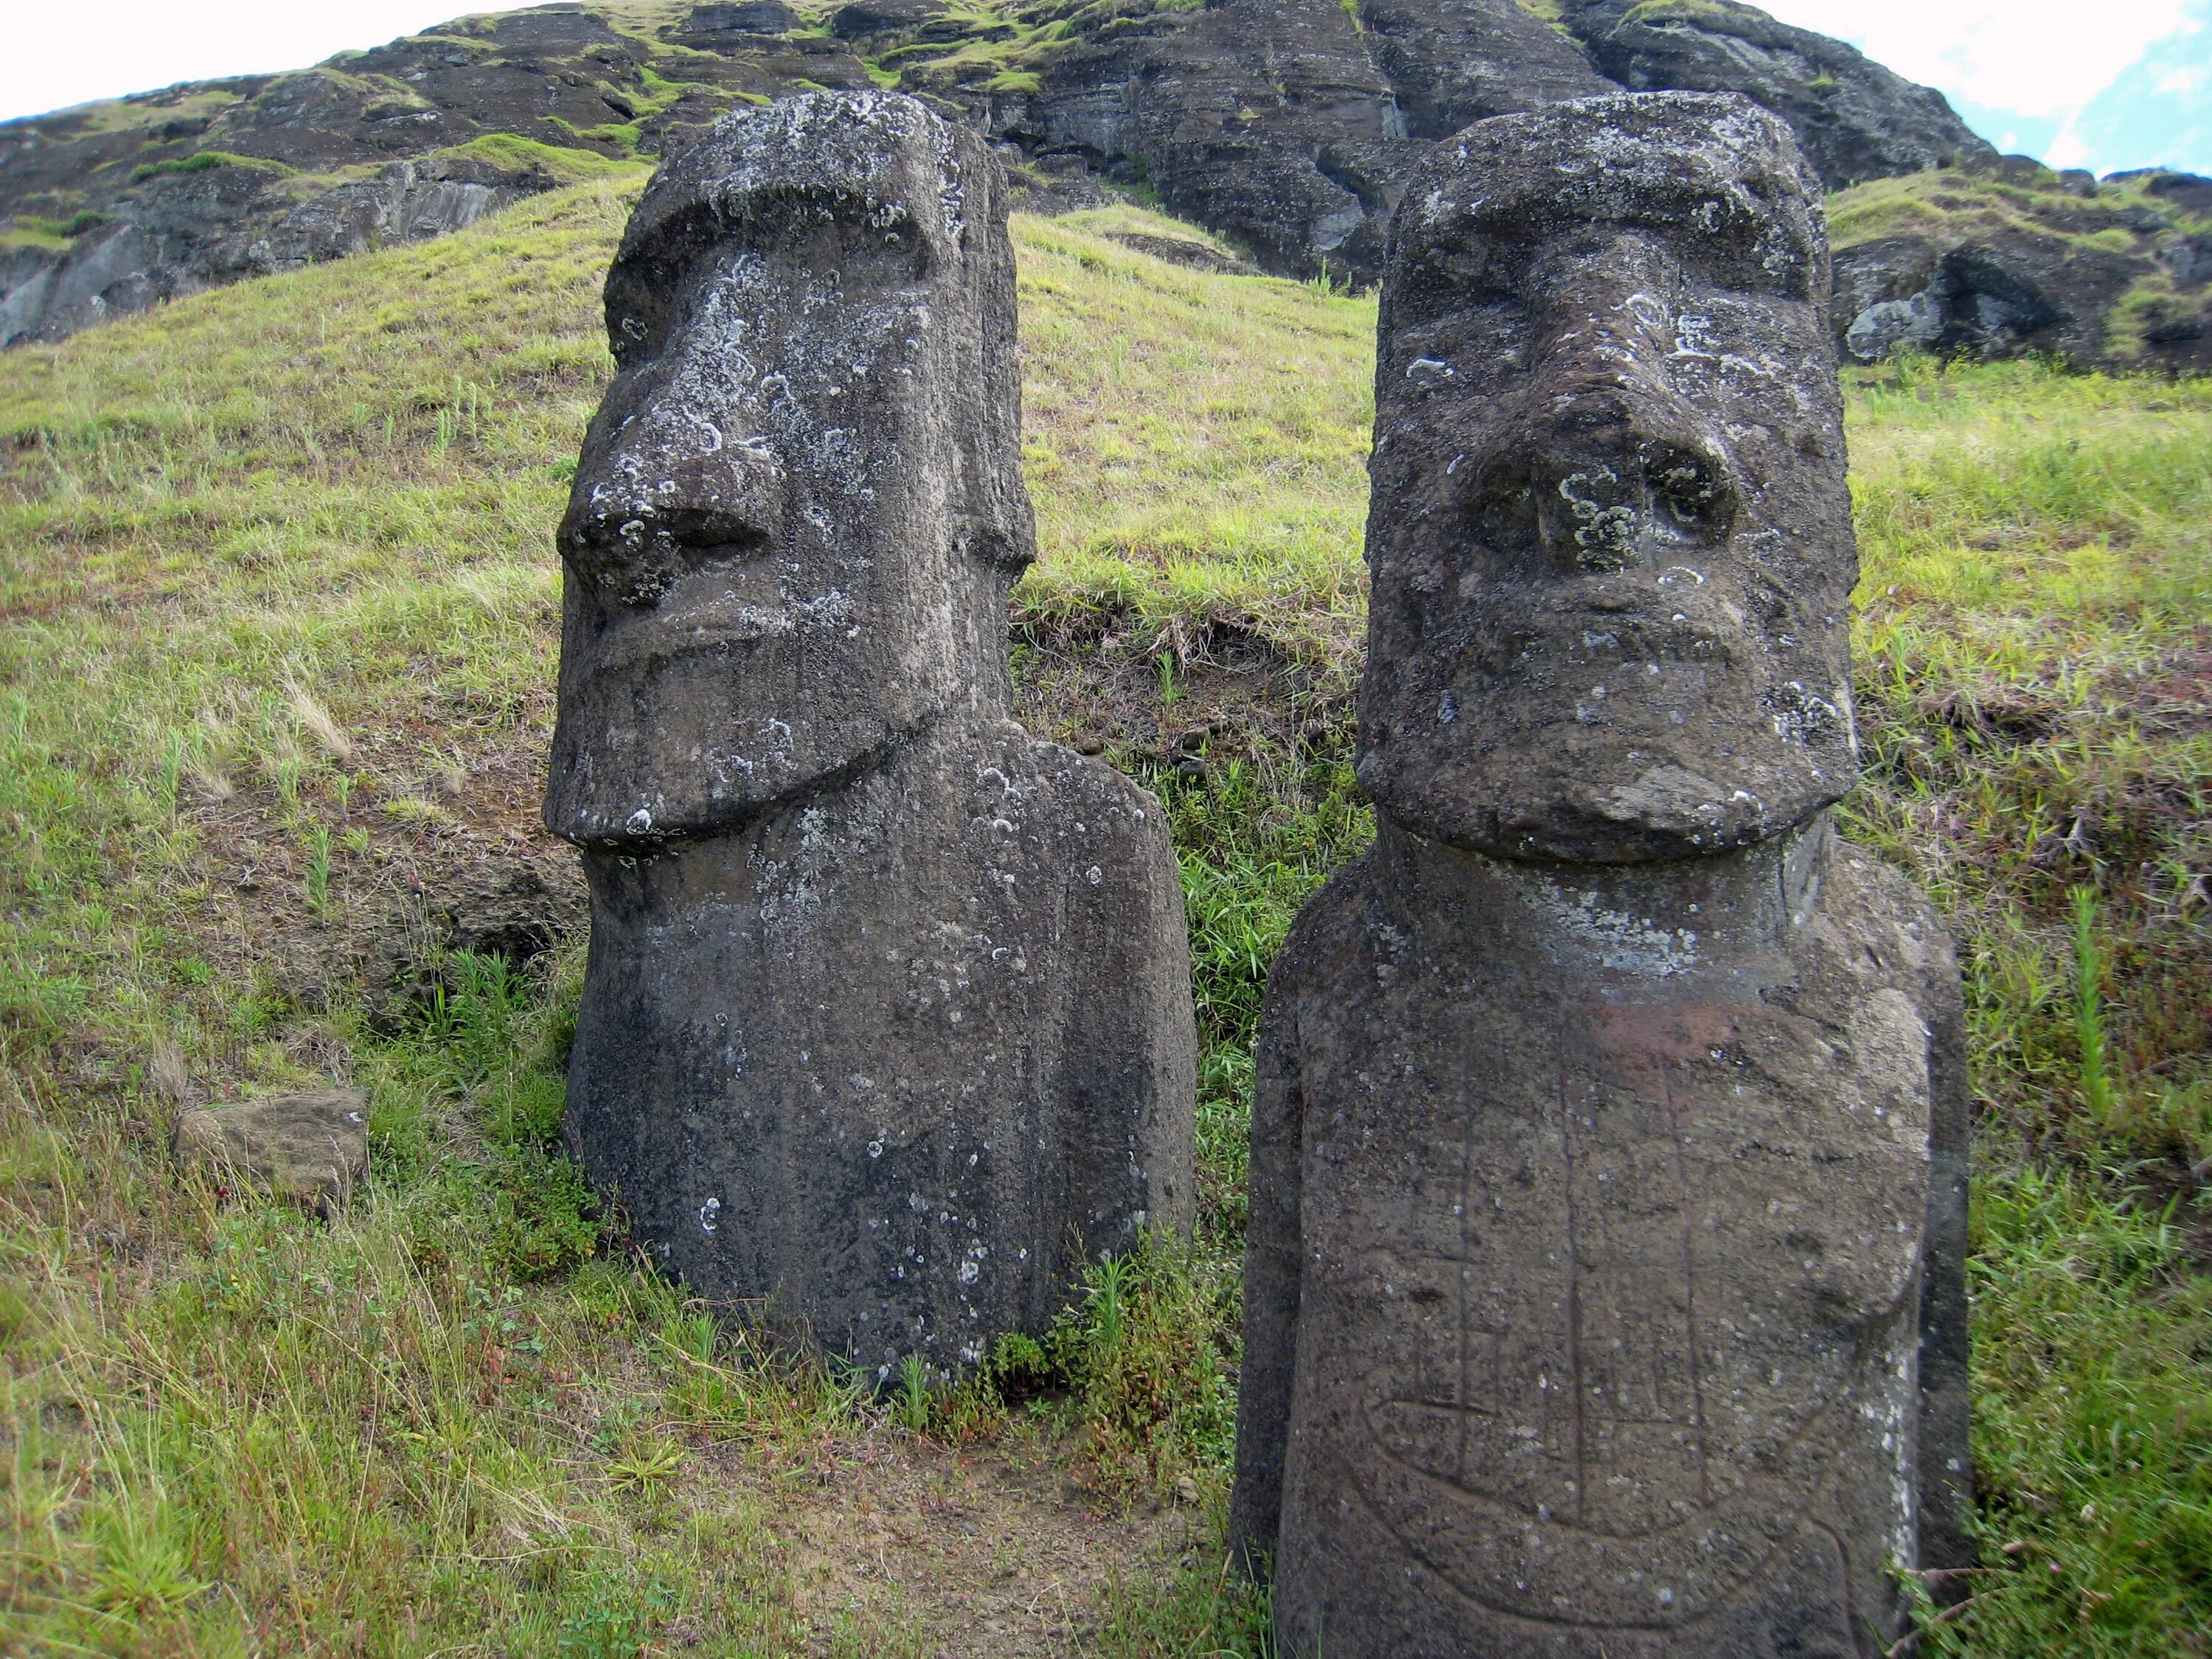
2104 84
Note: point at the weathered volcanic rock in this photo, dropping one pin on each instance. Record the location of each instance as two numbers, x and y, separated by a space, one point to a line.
1604 1292
1999 260
311 1146
887 1018
1287 125
1853 120
405 201
277 192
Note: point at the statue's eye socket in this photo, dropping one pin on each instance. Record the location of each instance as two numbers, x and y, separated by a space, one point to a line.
1502 514
1690 496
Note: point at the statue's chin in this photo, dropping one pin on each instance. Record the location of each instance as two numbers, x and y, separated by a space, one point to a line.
697 755
1541 801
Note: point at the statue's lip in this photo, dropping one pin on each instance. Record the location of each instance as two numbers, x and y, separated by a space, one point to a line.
633 638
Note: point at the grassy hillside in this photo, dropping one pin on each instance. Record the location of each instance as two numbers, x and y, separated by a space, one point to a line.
277 652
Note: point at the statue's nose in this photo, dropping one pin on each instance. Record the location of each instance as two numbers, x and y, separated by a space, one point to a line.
1601 482
671 489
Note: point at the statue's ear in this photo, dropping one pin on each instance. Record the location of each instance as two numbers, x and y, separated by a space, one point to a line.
996 524
992 540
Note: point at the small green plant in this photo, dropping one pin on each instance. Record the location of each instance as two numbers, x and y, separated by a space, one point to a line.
2089 1007
175 756
286 775
691 1334
911 1405
1107 1299
318 871
1143 1363
610 1615
650 1467
143 1571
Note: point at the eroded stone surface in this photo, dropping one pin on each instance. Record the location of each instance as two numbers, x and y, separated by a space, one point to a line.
1610 541
887 1020
1604 1292
310 1146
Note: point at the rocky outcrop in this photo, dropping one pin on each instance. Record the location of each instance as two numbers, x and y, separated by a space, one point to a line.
405 201
1853 120
2006 258
201 183
174 234
1287 126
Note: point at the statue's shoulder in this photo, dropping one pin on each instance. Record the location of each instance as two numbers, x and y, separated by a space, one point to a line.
1071 796
1344 929
1880 926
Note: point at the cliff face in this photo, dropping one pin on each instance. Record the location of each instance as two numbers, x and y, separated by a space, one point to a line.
1285 124
1288 125
114 206
1854 119
2006 258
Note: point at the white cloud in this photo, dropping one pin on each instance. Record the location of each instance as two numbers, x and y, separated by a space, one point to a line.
2043 60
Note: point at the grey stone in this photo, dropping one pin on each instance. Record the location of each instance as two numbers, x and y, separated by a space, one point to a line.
887 1018
1854 120
311 1146
1610 541
1888 325
1604 1291
754 17
2190 259
406 201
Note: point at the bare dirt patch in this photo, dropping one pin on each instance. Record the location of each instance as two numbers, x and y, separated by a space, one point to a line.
986 1552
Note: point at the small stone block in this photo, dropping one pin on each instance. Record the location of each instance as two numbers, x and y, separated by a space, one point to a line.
311 1145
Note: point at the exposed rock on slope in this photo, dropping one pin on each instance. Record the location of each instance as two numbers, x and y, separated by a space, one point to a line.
1854 120
219 223
1286 125
114 206
2012 258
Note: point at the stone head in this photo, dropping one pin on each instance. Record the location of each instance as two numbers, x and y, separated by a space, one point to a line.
799 506
1610 541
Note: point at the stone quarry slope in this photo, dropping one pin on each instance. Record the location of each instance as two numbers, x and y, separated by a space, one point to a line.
278 611
1284 124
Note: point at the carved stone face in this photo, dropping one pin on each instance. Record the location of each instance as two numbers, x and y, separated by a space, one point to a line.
800 506
1611 544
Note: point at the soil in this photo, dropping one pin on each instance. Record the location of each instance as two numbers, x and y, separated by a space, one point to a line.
987 1552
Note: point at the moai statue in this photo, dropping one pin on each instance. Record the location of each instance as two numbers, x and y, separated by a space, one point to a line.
1604 1298
887 1019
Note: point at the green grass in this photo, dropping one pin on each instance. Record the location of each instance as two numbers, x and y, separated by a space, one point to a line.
518 153
205 161
277 616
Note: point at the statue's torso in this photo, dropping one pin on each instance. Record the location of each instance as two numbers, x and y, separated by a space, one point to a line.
1610 1271
828 1060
